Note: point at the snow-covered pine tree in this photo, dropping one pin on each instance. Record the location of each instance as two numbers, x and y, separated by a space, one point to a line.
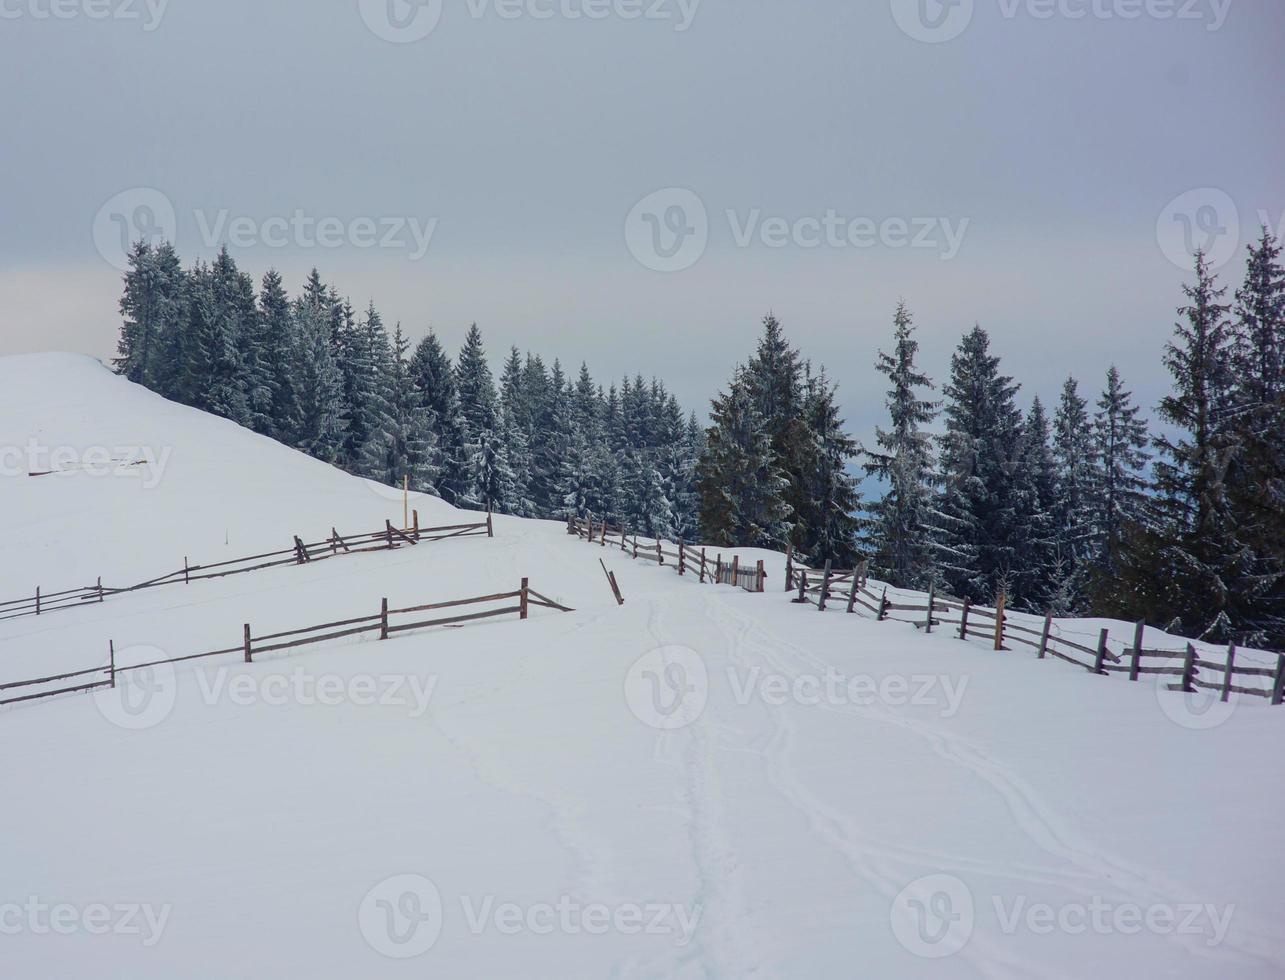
213 373
400 445
152 307
830 489
901 527
1120 454
1072 509
975 546
434 376
1186 561
1038 571
742 487
322 426
278 346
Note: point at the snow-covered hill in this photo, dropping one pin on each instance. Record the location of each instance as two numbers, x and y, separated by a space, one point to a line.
702 782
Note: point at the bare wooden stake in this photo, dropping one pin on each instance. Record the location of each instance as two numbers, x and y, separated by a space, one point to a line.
852 592
789 567
1227 675
383 619
762 583
187 578
249 654
1101 657
490 524
682 557
1189 670
611 580
1045 633
963 619
1278 685
702 566
37 600
100 588
932 601
825 588
803 586
736 570
660 555
1135 655
999 621
883 605
524 599
111 647
604 532
415 516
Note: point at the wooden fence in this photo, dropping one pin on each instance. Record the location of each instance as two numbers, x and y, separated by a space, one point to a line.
299 553
383 622
683 558
829 586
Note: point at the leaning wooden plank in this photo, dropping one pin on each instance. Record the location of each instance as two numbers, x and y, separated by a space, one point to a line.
545 599
179 660
50 694
55 677
507 611
313 629
316 639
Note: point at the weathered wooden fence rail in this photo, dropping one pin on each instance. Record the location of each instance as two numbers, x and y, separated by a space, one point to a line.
683 558
384 623
299 553
825 586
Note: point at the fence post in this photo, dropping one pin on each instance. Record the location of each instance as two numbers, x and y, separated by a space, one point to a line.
718 570
1101 657
589 524
37 600
825 588
111 646
660 555
883 605
865 569
415 515
524 597
999 621
383 619
624 537
702 566
1278 685
932 601
1135 656
249 654
762 582
1231 664
1045 633
736 570
100 588
604 532
682 557
187 579
963 619
1189 670
490 524
388 530
635 546
789 566
852 592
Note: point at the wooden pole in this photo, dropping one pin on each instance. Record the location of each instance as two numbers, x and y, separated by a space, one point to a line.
111 647
865 568
883 605
1278 684
789 566
803 586
1227 675
718 570
589 524
383 619
611 580
963 619
388 530
624 537
249 655
604 532
736 570
932 601
415 515
187 579
1101 657
682 557
100 588
37 600
660 555
524 599
635 546
1045 633
702 566
852 592
1189 670
762 583
825 587
490 524
1135 655
999 621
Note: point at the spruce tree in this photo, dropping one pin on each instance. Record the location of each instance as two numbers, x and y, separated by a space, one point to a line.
829 488
1120 454
152 307
434 376
278 346
901 526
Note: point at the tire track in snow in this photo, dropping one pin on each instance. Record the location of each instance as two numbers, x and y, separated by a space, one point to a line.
1250 942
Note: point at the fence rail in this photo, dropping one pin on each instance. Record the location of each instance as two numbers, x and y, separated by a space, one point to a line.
382 622
299 553
683 558
825 585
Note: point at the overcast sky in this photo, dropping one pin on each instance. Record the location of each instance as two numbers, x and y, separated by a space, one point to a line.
1035 166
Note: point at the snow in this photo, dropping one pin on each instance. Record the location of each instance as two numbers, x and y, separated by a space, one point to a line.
272 821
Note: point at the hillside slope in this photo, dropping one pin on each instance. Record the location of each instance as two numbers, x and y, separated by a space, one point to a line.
701 783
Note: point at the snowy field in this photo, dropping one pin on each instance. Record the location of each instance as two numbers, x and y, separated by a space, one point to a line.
701 783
